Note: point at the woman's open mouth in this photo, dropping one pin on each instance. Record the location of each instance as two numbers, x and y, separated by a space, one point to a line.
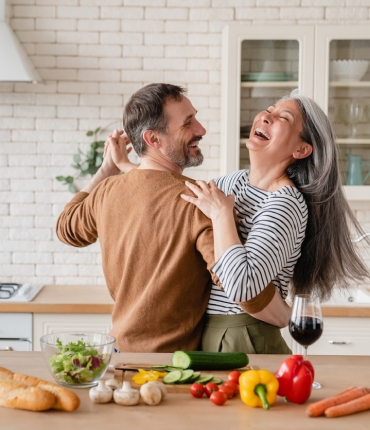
259 132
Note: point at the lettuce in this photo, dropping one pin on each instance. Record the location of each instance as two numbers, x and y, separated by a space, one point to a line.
77 363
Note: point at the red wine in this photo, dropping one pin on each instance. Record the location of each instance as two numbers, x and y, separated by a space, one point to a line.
306 330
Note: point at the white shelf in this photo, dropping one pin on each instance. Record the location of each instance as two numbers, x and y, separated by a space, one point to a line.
357 192
352 141
269 84
356 84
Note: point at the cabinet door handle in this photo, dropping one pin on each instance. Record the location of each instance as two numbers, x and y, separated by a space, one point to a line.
338 342
7 348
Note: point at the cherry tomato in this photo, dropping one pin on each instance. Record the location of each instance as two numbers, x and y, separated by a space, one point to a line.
197 390
234 386
218 398
229 391
234 376
210 388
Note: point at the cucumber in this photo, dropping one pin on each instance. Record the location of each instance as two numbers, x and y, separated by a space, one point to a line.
172 377
166 368
204 379
217 380
194 378
199 360
186 375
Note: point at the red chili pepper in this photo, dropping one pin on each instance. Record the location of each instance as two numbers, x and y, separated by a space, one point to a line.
295 377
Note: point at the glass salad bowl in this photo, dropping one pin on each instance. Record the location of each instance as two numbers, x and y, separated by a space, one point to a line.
77 360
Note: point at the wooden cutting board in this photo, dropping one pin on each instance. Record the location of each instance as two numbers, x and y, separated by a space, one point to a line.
126 375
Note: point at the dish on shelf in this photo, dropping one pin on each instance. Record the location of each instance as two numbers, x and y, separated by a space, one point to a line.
348 70
267 76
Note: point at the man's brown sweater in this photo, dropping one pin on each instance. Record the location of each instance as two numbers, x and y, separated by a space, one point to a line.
157 253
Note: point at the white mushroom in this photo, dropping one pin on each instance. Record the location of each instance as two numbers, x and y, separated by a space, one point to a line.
101 393
126 395
161 386
151 394
113 384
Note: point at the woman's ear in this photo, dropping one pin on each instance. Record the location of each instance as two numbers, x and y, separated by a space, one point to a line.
151 139
304 151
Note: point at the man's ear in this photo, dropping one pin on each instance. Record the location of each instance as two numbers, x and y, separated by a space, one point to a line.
151 139
304 151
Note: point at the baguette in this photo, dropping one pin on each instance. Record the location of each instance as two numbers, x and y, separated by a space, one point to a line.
22 396
66 400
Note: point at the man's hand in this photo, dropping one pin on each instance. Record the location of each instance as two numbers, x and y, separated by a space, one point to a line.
117 144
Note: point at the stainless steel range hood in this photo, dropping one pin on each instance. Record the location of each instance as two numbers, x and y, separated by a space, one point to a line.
15 66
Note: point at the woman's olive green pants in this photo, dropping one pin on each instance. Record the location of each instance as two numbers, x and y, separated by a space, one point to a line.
242 333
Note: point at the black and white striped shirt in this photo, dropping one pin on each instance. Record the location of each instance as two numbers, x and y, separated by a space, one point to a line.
272 225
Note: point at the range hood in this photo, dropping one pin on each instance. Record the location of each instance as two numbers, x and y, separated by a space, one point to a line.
15 66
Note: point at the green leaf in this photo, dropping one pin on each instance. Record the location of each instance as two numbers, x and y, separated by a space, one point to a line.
84 166
60 178
76 158
97 130
72 188
69 179
98 160
101 143
90 133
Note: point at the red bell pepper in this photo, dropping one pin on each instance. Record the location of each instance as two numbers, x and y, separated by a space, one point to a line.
295 376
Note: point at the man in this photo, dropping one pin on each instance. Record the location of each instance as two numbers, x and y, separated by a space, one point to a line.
157 249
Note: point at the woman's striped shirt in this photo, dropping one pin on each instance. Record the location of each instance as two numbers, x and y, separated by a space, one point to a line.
272 226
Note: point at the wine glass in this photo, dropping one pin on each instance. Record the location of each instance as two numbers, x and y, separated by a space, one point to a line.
352 114
305 324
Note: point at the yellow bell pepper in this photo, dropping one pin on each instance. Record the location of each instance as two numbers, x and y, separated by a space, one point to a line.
147 375
258 388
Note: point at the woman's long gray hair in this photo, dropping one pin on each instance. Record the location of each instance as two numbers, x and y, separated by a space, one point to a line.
328 256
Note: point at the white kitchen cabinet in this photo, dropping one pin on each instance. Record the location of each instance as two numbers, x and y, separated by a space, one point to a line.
260 64
44 323
341 336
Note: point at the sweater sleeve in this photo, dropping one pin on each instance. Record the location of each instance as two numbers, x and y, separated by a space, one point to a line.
276 235
202 232
76 225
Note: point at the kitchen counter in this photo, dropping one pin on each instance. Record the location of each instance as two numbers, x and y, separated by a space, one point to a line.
95 299
71 299
181 411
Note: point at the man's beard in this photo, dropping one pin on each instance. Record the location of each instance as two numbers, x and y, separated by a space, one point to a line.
180 155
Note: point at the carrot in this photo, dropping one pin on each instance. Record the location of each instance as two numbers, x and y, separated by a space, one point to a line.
357 405
318 408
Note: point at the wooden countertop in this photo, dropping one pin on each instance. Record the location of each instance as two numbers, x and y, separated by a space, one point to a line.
95 299
71 299
181 411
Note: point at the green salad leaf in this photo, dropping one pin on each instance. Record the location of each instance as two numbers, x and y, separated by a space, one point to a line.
77 363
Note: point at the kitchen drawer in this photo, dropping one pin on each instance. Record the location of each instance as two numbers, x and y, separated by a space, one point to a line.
54 323
343 336
15 345
15 325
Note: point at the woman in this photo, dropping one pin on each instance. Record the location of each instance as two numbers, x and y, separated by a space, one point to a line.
293 222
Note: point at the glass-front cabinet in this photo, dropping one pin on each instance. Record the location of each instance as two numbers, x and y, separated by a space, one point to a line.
327 63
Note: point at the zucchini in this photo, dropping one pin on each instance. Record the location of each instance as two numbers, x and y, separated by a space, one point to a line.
199 360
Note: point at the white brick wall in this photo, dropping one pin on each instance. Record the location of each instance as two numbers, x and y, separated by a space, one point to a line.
92 55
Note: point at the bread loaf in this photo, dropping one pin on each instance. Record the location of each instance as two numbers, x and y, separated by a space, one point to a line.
22 396
66 399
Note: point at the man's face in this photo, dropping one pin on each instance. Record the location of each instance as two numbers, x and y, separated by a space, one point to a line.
180 142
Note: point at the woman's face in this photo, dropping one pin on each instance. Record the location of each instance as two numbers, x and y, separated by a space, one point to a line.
276 131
